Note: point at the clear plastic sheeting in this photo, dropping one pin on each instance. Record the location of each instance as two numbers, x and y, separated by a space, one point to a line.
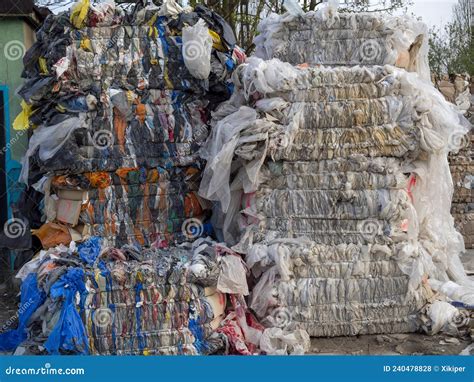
48 140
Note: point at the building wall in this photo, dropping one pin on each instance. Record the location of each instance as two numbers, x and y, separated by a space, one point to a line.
15 37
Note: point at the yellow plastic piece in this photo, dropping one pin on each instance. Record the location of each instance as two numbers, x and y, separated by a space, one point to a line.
86 45
22 120
43 65
153 32
216 41
79 13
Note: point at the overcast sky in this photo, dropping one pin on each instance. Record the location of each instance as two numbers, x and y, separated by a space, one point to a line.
433 12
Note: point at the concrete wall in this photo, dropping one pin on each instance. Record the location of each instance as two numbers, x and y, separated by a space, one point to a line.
15 37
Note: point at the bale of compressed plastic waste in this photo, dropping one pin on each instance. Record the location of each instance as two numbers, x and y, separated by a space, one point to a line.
119 103
94 299
334 182
329 37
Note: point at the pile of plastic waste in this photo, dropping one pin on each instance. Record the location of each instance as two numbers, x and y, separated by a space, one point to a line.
326 185
119 104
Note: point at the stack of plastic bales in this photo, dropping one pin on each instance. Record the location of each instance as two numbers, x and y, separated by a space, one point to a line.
120 103
462 168
458 92
330 38
341 197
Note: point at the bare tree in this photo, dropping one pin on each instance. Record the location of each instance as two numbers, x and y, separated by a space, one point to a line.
452 49
244 15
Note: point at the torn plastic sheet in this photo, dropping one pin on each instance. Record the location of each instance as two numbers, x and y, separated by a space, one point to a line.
69 333
89 250
233 275
48 140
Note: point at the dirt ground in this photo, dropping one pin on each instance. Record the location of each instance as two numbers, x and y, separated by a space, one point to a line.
391 344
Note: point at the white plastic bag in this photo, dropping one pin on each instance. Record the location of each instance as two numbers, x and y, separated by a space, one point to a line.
275 341
197 46
442 314
233 276
293 7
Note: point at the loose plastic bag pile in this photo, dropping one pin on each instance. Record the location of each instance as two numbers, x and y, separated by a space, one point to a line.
119 103
335 184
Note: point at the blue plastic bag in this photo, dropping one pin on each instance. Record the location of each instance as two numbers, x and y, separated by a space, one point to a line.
69 334
89 250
